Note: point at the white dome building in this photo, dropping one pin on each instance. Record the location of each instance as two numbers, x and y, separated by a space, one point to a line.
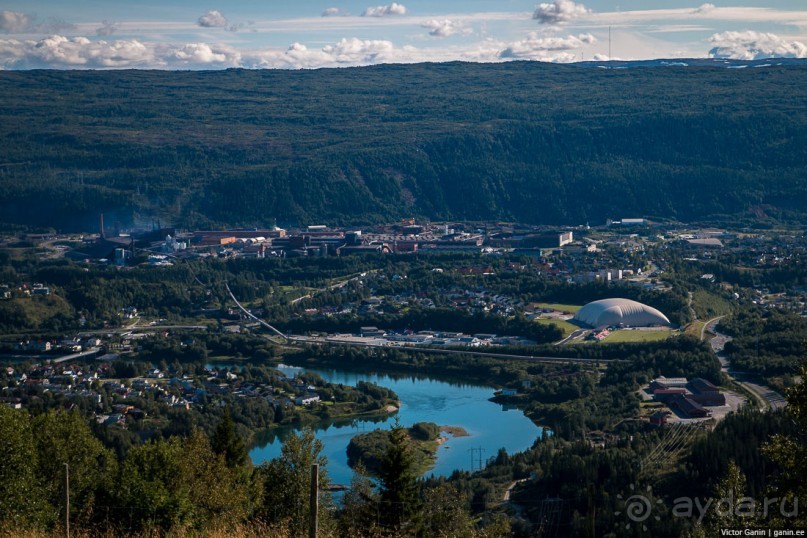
615 312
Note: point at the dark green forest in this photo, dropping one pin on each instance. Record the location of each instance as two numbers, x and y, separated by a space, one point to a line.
530 142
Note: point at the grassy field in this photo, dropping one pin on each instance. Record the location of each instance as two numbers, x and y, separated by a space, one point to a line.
694 328
38 308
565 326
709 305
638 336
570 308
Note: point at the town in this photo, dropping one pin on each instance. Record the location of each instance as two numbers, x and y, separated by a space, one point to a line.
632 329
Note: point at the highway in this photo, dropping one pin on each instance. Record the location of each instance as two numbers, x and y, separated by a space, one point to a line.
74 356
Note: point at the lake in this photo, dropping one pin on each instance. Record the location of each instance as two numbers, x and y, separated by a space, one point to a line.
490 426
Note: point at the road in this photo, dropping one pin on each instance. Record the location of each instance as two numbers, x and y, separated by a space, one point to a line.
710 325
144 328
332 287
767 398
509 489
74 356
252 316
324 340
576 335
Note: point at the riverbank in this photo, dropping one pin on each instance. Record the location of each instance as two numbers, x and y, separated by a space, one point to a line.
454 403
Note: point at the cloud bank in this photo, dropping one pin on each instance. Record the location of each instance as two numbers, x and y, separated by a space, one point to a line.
751 45
546 48
61 52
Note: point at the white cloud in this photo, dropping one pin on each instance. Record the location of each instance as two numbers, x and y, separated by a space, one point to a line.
535 47
61 52
704 8
212 19
383 11
356 50
215 19
13 22
751 45
106 29
204 54
345 52
559 11
334 12
588 39
446 27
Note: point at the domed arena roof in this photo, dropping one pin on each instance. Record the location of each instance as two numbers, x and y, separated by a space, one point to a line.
610 312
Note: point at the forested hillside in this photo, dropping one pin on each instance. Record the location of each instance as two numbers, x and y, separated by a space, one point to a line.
531 142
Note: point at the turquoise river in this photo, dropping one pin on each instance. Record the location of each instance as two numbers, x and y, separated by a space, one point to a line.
490 426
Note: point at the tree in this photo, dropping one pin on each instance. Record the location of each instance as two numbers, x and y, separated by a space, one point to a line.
181 483
360 509
227 443
400 502
790 452
66 438
730 508
20 497
287 482
151 486
446 512
221 494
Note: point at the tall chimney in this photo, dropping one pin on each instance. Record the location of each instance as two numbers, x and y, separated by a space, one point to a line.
102 227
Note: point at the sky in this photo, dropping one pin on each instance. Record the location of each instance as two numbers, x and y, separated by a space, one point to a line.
303 34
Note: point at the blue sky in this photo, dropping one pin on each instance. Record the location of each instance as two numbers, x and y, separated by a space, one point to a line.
215 34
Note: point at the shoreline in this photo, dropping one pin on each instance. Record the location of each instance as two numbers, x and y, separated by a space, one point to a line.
451 432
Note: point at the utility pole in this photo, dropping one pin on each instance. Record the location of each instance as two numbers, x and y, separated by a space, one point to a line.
67 500
609 43
473 461
313 522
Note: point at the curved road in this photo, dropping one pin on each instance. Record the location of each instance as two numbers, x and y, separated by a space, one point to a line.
767 397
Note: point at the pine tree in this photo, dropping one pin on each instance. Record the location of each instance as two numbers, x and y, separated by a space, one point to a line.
400 502
227 443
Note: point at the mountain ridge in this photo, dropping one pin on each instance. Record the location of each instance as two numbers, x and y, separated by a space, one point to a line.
539 143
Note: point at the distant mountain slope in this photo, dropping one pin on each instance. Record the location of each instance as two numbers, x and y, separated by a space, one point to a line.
534 142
